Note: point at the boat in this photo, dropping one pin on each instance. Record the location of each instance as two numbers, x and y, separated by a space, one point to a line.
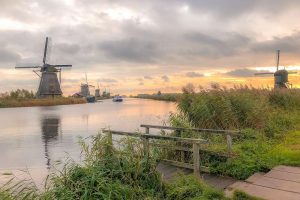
91 99
117 98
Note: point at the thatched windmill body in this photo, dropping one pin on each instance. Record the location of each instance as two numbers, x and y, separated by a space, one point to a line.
49 85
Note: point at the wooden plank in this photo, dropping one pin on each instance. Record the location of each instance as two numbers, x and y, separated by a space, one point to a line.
289 169
162 137
196 158
231 132
261 180
264 192
171 147
283 175
229 142
185 165
179 164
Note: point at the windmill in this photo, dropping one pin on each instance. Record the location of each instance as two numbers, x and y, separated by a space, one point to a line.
49 84
97 91
85 88
280 75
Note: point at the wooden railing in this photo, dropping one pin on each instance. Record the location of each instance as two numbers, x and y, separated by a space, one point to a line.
145 138
228 133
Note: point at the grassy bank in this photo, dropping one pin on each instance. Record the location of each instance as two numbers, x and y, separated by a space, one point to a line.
269 122
109 173
25 98
161 97
8 103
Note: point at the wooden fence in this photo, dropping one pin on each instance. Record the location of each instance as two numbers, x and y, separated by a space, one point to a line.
196 143
145 138
228 133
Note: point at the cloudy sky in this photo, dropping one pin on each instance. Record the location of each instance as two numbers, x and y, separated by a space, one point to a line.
138 46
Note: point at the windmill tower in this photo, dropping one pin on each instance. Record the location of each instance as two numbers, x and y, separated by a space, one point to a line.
85 88
281 76
49 84
97 91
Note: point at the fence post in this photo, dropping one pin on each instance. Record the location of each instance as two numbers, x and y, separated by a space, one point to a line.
146 142
196 157
146 146
178 134
109 141
229 142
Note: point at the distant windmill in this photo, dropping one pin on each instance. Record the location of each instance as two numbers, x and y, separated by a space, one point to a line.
85 88
97 91
281 76
49 84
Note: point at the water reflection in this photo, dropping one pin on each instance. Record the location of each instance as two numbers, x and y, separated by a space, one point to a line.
51 129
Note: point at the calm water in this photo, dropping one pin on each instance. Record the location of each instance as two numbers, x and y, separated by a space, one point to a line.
35 137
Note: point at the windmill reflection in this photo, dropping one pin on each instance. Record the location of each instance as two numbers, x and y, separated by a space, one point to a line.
50 131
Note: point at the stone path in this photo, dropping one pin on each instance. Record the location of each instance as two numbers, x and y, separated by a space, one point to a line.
281 183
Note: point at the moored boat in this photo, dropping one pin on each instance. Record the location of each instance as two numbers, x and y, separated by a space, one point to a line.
117 98
91 99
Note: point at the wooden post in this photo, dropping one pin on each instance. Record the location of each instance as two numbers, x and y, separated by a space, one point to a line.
196 157
146 143
229 142
178 134
109 142
146 146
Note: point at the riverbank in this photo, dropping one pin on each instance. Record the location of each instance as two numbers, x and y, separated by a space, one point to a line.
173 97
23 102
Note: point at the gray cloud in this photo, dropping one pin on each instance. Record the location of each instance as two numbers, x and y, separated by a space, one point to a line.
130 49
242 72
8 55
148 77
165 78
193 74
108 80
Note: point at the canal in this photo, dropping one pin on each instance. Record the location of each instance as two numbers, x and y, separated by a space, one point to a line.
34 138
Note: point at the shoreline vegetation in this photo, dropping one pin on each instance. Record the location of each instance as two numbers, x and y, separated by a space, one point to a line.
25 98
269 122
115 173
173 97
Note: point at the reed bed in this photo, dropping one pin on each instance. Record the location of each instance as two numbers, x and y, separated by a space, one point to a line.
269 121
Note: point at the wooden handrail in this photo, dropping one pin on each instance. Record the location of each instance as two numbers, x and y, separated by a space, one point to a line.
225 132
161 137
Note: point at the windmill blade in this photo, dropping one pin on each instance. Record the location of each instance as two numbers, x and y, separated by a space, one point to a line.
45 51
263 73
26 67
61 65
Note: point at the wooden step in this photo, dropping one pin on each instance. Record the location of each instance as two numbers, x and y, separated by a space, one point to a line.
289 169
261 180
262 192
282 175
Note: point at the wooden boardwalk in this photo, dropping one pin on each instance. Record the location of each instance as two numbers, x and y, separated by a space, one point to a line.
281 183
